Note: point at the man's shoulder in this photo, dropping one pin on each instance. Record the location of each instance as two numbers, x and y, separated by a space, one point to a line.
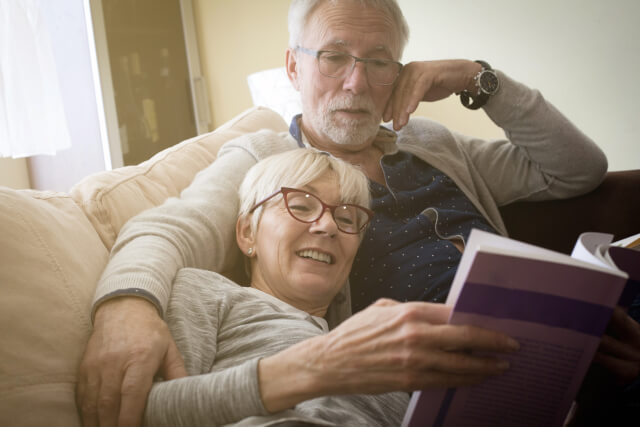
421 130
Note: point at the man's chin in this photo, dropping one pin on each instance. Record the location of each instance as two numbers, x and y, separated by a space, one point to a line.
353 136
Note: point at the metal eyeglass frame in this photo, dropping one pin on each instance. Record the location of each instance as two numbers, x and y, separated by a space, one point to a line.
356 59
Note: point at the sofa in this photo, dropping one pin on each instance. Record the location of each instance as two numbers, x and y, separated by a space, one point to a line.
54 247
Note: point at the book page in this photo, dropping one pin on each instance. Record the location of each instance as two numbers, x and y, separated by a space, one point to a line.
590 247
632 242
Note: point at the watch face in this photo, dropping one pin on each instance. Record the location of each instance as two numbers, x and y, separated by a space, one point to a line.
489 82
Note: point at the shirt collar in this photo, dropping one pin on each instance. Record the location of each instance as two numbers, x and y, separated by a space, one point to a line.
385 140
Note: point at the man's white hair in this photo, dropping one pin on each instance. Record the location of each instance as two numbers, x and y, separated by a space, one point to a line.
301 10
297 168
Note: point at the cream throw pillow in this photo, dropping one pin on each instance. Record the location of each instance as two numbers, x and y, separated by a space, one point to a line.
110 198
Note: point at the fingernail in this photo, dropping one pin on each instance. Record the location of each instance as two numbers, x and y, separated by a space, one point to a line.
503 365
513 344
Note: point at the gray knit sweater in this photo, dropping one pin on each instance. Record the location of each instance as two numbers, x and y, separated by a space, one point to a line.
222 330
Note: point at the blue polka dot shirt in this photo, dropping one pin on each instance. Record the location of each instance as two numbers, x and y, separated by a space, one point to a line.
406 253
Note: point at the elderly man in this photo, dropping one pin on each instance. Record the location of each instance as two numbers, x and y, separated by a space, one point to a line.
430 186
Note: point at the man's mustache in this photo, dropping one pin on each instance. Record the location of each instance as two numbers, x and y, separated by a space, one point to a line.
363 104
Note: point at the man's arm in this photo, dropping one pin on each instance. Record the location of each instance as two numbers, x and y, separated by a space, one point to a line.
118 368
619 351
544 155
196 230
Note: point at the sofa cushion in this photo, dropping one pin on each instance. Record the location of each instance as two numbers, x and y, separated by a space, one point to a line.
50 260
110 198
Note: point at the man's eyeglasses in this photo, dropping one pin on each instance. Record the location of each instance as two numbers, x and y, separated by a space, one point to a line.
306 207
339 64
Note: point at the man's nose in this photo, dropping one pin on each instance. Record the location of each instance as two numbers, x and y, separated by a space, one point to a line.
356 80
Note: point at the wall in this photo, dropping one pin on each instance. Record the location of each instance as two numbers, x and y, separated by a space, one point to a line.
582 54
14 173
237 38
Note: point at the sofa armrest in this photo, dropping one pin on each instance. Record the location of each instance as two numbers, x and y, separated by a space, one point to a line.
613 207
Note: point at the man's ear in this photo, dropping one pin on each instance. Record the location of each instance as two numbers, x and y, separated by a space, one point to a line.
292 67
244 234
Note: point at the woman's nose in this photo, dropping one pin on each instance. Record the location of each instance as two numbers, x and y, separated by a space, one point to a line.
324 224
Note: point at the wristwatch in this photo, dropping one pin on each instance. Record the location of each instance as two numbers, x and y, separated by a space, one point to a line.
487 83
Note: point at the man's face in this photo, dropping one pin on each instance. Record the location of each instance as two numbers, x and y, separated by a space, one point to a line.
346 111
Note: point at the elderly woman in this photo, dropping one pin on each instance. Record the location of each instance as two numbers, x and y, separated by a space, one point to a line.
300 224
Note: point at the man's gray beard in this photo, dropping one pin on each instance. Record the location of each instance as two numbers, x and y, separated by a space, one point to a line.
348 132
345 131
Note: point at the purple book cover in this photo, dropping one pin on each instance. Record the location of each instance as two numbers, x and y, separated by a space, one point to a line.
557 311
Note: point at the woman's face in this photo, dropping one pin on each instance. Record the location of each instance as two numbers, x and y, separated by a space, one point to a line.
303 264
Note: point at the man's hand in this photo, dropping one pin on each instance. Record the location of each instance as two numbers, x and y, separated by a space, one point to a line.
130 343
619 351
615 365
387 347
428 81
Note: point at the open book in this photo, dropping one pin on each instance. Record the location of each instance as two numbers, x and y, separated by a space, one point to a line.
557 306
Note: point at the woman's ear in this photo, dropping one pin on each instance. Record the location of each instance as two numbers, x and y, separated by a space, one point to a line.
244 235
292 68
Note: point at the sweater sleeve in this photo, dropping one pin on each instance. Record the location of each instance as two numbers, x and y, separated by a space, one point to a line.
544 155
215 398
199 305
195 230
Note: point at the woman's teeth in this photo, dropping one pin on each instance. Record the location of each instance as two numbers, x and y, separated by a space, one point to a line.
315 255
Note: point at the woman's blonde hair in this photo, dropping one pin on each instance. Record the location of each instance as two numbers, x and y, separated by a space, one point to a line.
297 168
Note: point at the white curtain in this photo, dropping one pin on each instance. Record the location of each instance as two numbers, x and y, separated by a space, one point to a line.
32 117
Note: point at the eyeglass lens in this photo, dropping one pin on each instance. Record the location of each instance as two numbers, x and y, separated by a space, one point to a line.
307 208
379 71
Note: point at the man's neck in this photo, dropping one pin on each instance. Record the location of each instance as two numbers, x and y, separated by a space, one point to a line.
366 156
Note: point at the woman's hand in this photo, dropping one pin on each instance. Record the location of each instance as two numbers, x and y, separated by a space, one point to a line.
390 346
130 343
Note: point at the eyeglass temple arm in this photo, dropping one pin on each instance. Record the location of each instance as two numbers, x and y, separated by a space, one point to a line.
257 205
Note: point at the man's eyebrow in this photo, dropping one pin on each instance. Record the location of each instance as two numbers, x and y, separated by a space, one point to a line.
341 44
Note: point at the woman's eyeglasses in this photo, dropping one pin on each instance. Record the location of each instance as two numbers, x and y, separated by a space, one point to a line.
306 207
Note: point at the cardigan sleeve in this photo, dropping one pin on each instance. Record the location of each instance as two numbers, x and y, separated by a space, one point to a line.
544 155
195 230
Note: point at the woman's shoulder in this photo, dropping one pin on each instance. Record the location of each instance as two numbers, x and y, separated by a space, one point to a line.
211 291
